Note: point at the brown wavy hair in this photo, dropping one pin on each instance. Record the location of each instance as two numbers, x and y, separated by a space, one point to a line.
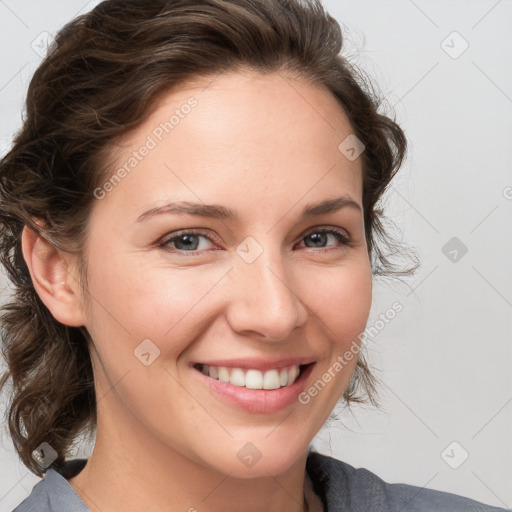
100 79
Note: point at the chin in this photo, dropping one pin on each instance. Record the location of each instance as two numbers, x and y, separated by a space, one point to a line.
259 458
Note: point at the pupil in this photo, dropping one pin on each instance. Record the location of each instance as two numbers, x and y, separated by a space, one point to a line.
189 242
318 238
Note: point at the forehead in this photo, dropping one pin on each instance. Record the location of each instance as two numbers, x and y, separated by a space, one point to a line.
241 135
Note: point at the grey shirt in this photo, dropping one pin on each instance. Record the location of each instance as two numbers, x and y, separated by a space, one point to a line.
340 487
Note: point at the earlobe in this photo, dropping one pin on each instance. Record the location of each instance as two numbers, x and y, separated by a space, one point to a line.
53 281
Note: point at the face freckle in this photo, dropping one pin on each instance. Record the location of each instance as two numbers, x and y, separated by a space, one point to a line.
253 293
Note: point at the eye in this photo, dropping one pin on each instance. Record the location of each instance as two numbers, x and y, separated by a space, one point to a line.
320 236
188 242
192 242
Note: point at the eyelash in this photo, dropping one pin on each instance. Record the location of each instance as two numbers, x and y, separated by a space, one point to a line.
342 236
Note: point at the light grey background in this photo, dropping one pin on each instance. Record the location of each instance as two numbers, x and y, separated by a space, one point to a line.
445 360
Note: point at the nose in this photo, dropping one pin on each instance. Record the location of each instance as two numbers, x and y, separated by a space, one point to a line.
265 299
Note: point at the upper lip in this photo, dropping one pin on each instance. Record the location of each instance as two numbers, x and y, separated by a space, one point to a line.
259 363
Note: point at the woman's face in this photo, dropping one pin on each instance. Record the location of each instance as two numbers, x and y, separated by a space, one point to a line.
248 290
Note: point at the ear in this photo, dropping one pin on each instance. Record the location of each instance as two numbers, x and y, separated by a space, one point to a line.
53 281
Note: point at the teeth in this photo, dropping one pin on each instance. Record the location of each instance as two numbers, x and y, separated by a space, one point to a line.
223 374
271 380
253 379
237 377
213 371
292 374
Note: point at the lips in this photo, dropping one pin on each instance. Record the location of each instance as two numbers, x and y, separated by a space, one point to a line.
231 381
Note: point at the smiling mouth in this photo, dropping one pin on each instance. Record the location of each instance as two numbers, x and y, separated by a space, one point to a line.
252 378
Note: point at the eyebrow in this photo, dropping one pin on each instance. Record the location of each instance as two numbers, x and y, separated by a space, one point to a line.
215 211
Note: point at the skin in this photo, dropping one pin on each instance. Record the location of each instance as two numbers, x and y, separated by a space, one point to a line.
265 146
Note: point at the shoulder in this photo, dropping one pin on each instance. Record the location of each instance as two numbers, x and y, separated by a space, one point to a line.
53 493
343 487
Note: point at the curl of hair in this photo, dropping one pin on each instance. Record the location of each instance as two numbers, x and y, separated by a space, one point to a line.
100 79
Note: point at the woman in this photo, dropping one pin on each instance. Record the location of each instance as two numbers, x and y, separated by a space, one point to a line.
195 186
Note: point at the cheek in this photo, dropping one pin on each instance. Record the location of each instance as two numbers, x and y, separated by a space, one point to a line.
139 301
341 298
341 301
135 303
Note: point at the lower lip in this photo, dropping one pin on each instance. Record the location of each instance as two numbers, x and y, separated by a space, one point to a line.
257 400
